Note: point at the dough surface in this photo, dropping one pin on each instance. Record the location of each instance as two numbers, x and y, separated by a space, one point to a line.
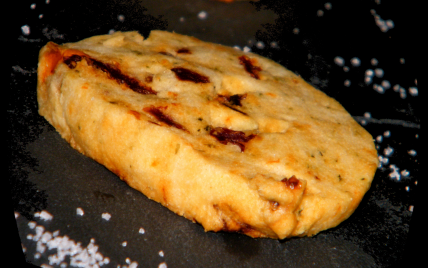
228 139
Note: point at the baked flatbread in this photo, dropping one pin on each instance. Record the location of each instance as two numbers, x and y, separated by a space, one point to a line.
228 139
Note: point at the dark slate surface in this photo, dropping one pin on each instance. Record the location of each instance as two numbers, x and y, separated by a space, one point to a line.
45 173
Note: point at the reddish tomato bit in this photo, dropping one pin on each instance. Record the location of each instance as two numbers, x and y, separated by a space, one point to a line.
249 67
159 115
188 75
184 51
225 136
113 72
135 113
234 99
72 61
149 79
292 183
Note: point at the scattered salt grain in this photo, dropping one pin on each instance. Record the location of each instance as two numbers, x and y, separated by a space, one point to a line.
395 172
25 29
403 93
327 5
374 61
368 80
413 91
80 212
44 215
396 87
133 265
33 6
404 173
379 138
385 84
161 253
124 243
378 72
355 61
31 224
390 24
412 152
378 88
296 30
387 134
121 18
260 45
40 247
347 83
411 208
384 25
202 15
388 151
274 44
246 49
383 160
346 68
339 60
182 19
407 188
141 231
162 265
320 13
367 115
106 216
39 231
402 60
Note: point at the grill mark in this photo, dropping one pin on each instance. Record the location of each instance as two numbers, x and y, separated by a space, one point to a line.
112 72
250 67
234 100
184 74
225 136
184 51
162 117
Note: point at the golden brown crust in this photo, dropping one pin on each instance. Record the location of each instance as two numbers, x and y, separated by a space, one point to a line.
228 139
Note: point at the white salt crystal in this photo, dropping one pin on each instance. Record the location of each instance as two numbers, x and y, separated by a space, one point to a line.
80 212
202 15
106 216
339 60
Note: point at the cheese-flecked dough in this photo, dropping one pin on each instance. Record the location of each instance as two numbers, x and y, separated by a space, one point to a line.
228 139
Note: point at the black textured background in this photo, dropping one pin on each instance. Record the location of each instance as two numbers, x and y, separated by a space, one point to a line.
44 173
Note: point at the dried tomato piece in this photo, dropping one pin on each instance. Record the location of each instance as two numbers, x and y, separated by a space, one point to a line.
234 99
184 51
225 136
188 75
112 72
292 183
162 117
250 67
